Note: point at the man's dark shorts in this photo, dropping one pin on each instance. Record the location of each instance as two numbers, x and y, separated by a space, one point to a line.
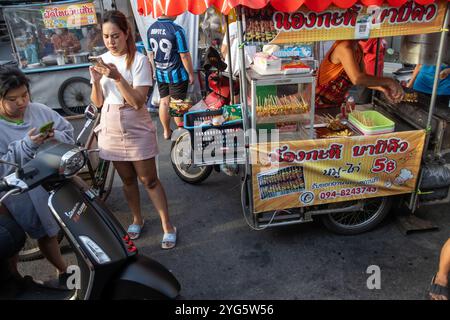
176 91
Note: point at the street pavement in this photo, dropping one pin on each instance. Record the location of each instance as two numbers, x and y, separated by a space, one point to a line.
219 256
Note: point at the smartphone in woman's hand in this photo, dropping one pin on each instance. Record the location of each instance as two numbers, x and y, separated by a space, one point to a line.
97 61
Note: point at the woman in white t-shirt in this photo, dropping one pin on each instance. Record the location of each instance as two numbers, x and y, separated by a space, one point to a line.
127 135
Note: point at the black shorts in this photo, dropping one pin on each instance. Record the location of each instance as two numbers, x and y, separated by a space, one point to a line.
177 91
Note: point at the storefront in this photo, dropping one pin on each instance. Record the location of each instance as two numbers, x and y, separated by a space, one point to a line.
51 43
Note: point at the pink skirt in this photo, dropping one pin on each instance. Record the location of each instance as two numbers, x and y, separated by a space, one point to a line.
126 134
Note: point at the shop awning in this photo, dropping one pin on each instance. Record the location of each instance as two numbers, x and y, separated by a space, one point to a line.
176 7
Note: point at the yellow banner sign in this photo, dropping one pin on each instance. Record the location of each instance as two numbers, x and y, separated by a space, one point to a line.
69 16
313 172
358 22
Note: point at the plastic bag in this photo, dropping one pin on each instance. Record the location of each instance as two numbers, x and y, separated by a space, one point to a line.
435 176
177 108
155 96
232 113
199 106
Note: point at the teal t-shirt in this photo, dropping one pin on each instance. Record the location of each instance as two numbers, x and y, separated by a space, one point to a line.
425 79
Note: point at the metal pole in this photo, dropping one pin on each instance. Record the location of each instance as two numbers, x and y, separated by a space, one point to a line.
415 197
377 59
230 65
15 52
242 70
244 106
436 77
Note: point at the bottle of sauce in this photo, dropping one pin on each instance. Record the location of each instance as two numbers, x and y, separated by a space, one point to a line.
350 105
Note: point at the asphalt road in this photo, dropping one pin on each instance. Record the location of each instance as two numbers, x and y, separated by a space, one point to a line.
219 257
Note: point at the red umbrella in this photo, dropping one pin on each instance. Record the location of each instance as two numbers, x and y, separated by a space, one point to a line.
176 7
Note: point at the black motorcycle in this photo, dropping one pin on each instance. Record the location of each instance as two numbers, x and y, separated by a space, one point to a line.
109 265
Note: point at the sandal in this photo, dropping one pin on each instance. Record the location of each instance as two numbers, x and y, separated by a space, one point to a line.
169 240
134 230
437 290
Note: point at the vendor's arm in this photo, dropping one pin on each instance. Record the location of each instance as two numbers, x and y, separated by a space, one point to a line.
75 42
97 97
345 55
414 76
56 41
444 73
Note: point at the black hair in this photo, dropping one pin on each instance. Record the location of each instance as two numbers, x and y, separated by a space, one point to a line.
12 78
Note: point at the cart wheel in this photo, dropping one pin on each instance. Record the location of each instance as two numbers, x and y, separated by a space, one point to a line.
31 251
74 95
372 213
180 155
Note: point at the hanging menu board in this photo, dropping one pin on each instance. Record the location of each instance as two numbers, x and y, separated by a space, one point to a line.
357 22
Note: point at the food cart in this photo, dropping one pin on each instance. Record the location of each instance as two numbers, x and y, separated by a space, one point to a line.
349 177
51 43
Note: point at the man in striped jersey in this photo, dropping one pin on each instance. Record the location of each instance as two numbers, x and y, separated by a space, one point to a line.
172 65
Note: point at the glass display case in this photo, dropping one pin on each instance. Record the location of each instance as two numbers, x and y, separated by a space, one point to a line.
285 103
54 36
51 43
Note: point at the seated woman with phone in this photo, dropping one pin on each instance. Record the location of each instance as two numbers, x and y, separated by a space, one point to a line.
25 126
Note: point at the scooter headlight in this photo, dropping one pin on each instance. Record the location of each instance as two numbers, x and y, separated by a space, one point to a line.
94 249
72 162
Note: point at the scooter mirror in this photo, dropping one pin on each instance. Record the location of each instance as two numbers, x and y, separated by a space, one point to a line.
91 112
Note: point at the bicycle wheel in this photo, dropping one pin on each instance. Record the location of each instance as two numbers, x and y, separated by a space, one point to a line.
74 95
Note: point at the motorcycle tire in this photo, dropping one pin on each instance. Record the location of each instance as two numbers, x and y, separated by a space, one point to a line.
372 213
31 251
192 178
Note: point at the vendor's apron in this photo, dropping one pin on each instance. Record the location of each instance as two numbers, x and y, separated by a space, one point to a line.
126 134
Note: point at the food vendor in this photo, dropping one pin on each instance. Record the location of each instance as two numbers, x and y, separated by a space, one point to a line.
342 68
95 35
95 38
65 40
31 52
423 79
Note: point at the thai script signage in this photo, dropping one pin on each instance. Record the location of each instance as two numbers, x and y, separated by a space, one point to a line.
69 16
339 24
313 172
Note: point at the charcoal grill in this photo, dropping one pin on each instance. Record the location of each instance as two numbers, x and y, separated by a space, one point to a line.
416 115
